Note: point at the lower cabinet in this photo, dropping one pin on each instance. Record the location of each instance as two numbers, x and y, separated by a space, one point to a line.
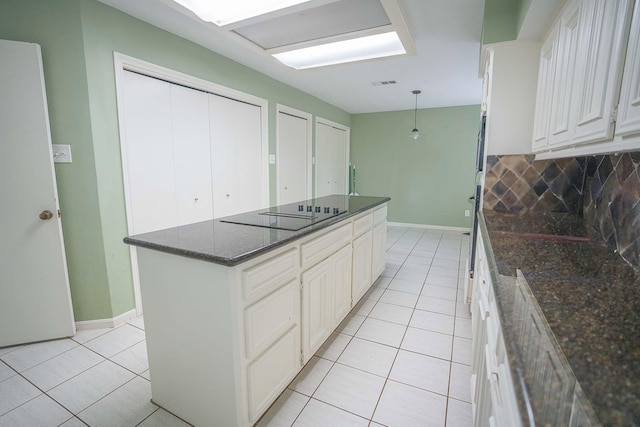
493 395
316 306
554 396
341 289
270 373
326 299
379 248
362 250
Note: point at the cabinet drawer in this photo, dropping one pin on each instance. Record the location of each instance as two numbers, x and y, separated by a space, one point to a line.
362 225
271 372
380 215
320 248
269 318
269 275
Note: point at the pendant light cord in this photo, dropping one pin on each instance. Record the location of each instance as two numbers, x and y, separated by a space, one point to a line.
415 114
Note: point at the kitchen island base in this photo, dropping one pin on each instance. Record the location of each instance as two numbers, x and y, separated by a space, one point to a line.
225 341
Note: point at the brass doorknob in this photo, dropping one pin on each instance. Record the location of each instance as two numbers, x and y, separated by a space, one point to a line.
45 215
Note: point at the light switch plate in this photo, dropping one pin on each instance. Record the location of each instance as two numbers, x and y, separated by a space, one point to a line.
61 153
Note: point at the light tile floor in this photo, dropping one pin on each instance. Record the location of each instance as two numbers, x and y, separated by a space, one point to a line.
401 358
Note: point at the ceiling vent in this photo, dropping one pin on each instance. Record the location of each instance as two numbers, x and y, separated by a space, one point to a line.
384 83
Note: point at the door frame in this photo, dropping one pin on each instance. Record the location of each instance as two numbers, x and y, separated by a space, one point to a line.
309 161
124 63
347 129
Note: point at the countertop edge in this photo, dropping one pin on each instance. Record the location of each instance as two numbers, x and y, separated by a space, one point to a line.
233 261
524 406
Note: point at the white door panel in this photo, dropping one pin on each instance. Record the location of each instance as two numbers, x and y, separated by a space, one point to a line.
35 302
192 154
332 154
149 145
293 158
236 156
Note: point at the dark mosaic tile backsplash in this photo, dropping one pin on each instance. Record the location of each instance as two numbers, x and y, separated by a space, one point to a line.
604 189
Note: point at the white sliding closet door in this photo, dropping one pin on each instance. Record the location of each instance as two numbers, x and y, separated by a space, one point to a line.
293 161
332 159
168 153
236 156
192 154
149 153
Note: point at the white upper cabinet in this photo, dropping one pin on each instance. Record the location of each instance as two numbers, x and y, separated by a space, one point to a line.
581 70
562 121
600 59
545 87
629 106
510 76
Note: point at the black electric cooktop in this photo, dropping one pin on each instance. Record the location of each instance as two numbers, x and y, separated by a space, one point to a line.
293 217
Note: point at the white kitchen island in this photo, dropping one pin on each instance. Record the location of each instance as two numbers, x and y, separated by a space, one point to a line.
233 312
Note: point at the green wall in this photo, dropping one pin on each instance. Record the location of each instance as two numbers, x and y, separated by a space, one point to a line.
502 20
57 27
78 38
429 180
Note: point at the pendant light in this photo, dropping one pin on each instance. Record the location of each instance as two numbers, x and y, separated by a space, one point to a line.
415 133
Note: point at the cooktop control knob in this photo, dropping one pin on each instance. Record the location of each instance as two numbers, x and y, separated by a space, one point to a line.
309 208
300 208
336 211
327 209
318 209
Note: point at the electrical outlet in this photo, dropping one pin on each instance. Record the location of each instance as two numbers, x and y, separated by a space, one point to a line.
467 212
61 153
272 159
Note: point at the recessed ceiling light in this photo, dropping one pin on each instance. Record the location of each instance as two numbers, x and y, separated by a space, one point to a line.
358 49
224 12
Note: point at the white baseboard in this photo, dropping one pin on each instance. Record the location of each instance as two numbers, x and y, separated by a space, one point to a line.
106 323
433 227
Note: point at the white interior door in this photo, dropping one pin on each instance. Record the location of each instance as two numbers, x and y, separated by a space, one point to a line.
149 153
293 163
332 159
35 302
192 154
236 156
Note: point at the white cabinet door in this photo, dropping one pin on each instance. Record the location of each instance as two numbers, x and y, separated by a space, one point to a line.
192 153
546 74
271 372
562 123
341 284
316 307
293 162
600 59
362 255
629 107
379 250
149 153
236 156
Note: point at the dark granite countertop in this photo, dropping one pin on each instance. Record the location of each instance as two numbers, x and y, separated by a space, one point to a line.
231 244
590 298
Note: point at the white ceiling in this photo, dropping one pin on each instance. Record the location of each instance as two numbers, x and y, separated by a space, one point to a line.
446 36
